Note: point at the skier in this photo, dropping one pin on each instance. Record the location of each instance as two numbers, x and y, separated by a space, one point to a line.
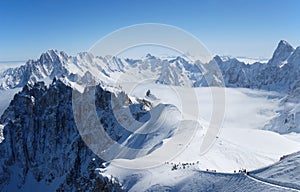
148 93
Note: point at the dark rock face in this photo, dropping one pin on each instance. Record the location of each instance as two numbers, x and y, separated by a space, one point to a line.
42 144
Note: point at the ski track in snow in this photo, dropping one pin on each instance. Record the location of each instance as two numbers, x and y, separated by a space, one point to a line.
260 180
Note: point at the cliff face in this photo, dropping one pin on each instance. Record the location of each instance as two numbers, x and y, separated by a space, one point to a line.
42 146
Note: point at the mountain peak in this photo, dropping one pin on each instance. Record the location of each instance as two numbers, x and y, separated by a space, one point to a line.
283 42
284 46
149 56
283 51
53 55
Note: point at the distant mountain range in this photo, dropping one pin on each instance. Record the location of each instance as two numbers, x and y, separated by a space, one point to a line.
279 74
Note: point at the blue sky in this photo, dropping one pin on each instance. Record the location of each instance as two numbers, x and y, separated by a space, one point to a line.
229 27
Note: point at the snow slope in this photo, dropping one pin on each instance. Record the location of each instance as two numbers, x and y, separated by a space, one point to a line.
286 172
189 179
241 143
246 113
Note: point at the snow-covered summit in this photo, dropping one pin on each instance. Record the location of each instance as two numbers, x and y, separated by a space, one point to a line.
52 63
282 53
53 56
279 74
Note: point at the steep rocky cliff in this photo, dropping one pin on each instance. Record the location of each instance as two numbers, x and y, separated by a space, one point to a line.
42 148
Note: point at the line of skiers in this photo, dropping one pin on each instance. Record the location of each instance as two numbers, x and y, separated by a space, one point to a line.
181 165
242 171
186 165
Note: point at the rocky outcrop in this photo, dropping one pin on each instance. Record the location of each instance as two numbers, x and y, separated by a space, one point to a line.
42 146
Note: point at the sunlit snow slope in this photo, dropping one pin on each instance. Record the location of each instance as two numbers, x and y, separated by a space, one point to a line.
241 143
242 135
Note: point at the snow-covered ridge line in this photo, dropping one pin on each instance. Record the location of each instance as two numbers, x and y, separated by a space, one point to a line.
282 185
284 172
278 74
